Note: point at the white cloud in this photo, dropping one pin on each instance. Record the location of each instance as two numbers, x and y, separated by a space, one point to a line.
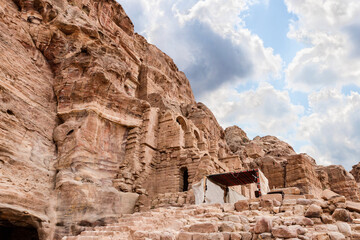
333 128
207 40
330 28
263 111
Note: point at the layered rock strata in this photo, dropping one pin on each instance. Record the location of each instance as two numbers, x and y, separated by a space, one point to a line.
94 119
95 123
285 168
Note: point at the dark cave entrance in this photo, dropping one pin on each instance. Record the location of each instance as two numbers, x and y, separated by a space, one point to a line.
11 232
184 179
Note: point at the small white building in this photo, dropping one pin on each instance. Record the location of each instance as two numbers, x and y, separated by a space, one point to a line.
228 187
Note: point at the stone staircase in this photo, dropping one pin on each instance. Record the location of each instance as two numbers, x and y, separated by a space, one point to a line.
247 220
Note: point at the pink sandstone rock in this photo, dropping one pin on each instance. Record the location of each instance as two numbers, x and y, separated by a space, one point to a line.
284 232
263 224
97 123
314 211
203 228
241 205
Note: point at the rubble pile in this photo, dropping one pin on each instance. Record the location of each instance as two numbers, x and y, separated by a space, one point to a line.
292 216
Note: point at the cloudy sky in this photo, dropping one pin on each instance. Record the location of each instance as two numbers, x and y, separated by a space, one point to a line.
289 68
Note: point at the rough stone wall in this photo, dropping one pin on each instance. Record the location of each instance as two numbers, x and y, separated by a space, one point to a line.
339 180
300 172
104 118
76 110
94 120
27 120
182 146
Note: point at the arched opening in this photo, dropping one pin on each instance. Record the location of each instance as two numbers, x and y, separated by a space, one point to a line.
182 123
184 179
12 232
16 225
197 135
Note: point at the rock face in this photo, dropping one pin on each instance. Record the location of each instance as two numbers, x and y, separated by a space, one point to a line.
284 168
27 120
96 123
339 180
356 172
277 160
94 120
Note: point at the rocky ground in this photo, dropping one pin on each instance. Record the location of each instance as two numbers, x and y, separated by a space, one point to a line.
96 122
294 217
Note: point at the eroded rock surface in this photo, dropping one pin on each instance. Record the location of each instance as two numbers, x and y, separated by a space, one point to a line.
95 123
91 117
285 168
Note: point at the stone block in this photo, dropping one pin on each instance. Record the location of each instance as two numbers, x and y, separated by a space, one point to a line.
227 227
344 228
263 224
336 236
228 207
304 221
353 206
314 211
341 214
235 236
290 196
242 205
203 228
284 232
184 236
326 218
277 197
327 194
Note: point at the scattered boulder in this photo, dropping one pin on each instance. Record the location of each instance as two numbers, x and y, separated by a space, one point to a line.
285 231
227 227
326 218
353 206
336 236
203 228
314 211
265 236
327 194
304 221
341 215
242 205
344 228
263 224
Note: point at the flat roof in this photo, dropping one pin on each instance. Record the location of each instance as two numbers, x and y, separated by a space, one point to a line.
235 178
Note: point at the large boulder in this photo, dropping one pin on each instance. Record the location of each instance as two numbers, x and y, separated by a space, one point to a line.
263 224
314 211
340 181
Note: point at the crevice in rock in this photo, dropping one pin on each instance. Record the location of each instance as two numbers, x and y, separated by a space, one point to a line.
10 112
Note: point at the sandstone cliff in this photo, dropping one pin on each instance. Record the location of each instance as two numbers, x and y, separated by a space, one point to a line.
95 123
285 168
89 111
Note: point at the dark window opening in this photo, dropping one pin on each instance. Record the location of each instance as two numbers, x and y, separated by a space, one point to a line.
127 89
184 180
70 132
10 112
84 50
11 232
